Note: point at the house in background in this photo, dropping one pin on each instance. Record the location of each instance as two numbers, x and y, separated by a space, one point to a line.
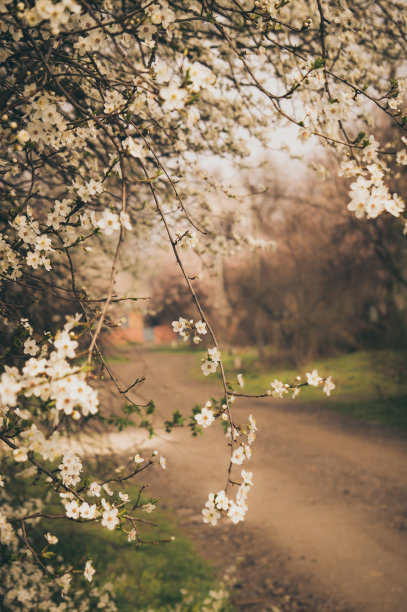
134 329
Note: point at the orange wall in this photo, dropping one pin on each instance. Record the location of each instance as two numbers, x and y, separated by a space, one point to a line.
134 331
163 334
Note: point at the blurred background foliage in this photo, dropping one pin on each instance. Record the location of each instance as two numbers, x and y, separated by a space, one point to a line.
334 284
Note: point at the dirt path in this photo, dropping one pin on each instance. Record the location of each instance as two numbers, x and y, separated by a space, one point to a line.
327 520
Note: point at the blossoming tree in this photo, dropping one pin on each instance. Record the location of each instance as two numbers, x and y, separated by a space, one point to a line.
106 109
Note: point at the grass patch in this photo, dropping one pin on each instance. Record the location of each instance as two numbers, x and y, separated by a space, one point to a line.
146 578
391 411
150 577
368 375
117 359
178 348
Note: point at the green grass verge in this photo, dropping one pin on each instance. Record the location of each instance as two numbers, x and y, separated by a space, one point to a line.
148 578
391 412
118 359
370 385
178 348
369 375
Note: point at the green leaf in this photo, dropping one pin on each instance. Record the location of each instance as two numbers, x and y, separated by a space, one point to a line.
150 407
177 421
359 137
318 63
48 554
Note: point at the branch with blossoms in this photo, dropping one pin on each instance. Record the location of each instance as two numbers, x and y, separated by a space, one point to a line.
239 437
60 389
279 389
112 514
105 111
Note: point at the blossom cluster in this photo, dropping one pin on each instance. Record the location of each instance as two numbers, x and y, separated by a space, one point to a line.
212 361
107 512
22 587
57 14
70 469
21 581
370 195
279 389
187 239
6 530
175 97
219 503
185 328
34 440
50 378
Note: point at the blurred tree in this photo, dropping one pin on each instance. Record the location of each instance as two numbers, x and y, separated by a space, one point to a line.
335 282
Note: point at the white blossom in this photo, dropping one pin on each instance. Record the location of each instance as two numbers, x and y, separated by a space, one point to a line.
205 418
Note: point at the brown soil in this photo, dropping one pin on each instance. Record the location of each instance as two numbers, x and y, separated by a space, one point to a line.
327 520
